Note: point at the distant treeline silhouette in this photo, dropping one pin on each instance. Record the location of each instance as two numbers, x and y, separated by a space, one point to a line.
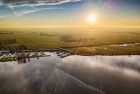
11 45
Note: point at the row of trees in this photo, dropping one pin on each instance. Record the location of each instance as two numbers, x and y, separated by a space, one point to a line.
70 38
8 42
66 38
11 45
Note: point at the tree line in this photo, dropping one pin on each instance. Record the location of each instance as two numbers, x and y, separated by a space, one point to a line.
11 45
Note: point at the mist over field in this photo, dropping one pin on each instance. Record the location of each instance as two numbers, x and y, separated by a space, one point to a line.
69 46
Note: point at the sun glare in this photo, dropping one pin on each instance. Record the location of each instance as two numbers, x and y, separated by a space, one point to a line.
92 18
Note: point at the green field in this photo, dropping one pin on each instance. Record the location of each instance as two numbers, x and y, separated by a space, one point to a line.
84 42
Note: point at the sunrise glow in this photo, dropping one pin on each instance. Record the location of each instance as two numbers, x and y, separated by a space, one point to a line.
92 18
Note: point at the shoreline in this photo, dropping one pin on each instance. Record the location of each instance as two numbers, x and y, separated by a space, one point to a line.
6 55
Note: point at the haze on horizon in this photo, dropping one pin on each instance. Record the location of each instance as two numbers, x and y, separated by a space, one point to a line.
69 13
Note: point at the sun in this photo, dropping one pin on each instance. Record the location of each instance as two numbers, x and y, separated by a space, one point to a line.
91 18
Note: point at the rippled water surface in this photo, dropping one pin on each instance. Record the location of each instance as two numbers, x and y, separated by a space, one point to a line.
72 75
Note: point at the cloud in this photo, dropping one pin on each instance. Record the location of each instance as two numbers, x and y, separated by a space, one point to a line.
22 10
1 17
39 2
21 13
12 5
19 9
25 12
43 3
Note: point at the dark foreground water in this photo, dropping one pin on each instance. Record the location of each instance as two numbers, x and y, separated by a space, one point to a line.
72 75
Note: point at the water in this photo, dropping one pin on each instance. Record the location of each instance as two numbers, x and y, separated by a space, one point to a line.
72 75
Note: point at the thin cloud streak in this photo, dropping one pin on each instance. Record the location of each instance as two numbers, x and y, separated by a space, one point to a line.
34 7
25 12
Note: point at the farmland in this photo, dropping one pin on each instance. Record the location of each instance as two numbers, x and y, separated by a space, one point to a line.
80 41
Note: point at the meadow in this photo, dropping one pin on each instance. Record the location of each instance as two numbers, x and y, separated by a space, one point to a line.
80 41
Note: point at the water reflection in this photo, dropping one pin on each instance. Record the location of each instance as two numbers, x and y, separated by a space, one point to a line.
71 75
25 60
111 74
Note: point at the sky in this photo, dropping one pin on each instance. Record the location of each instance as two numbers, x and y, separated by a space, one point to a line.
69 13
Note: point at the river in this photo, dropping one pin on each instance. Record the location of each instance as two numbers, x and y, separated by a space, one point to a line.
72 75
